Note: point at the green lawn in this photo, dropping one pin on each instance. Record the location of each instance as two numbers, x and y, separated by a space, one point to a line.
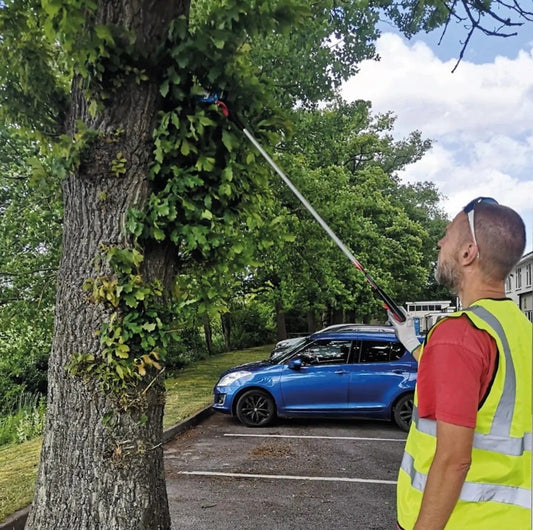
187 393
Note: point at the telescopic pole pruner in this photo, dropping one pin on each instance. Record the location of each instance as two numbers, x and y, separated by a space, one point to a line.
389 303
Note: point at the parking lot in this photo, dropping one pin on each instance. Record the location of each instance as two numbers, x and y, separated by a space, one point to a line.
295 474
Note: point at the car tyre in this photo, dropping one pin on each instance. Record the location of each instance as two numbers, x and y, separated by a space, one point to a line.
403 412
256 408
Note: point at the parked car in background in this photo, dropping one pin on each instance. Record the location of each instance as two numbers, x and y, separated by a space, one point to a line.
289 344
351 371
285 344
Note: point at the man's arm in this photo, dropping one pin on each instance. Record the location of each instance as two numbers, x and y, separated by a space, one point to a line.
446 475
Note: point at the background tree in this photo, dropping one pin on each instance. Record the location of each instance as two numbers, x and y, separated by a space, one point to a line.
30 227
495 18
346 162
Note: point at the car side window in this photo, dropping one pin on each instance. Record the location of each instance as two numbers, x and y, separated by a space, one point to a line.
326 352
378 351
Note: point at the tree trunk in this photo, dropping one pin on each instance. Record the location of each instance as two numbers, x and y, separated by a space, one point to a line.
326 316
95 474
349 315
281 326
337 316
225 321
208 332
311 321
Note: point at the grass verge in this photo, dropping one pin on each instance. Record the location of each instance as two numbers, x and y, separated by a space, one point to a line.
187 393
192 389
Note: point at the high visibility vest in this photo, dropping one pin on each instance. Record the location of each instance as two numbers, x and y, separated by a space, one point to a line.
496 494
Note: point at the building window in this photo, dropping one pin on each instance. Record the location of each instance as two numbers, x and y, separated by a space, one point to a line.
518 284
508 282
528 275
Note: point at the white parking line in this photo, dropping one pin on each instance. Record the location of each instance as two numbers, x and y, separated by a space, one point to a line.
286 477
318 437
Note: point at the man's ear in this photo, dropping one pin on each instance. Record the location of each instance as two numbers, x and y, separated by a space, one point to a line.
469 253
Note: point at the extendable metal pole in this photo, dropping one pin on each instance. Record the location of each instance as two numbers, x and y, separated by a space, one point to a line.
389 303
303 200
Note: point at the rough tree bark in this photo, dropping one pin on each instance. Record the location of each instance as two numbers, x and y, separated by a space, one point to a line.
91 475
208 332
281 327
225 321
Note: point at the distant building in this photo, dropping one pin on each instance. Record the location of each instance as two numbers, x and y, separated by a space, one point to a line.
519 286
427 313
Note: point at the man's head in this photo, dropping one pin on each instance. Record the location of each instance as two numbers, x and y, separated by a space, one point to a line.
493 239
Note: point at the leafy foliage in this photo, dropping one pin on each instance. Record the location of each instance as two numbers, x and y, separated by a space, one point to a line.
33 91
236 230
346 161
30 227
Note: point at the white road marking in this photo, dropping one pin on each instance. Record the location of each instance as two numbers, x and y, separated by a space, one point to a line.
286 477
318 437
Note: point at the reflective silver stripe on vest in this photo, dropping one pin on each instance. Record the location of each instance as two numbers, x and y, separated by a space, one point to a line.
506 445
501 423
473 491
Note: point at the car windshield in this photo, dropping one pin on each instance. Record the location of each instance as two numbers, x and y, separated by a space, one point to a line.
280 356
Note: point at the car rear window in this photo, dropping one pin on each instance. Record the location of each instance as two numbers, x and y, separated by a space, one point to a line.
378 351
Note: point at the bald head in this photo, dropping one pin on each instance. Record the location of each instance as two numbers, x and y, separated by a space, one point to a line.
501 237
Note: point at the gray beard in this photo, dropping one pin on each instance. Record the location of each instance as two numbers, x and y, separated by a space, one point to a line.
447 275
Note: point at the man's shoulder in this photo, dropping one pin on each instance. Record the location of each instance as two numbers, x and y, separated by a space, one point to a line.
452 324
459 329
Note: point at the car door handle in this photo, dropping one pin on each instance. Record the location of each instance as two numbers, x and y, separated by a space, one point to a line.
399 372
341 372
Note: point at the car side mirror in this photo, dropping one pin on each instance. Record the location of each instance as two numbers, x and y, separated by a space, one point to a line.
295 364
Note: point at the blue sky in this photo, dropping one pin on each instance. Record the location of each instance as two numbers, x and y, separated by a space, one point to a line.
481 48
480 118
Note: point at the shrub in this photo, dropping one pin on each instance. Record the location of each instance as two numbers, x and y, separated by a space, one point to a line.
25 422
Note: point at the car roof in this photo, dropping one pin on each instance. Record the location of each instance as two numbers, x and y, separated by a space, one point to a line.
358 332
343 330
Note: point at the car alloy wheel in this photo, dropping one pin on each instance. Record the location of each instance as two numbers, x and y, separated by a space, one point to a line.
255 408
403 412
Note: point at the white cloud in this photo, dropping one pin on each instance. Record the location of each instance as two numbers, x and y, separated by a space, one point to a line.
480 119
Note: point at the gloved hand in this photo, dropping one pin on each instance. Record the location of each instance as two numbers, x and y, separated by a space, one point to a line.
405 331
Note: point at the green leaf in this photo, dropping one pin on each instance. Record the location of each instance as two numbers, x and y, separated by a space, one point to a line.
164 88
104 33
185 147
158 234
122 351
219 43
130 300
225 189
227 140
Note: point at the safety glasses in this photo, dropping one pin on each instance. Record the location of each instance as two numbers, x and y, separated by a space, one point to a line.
469 211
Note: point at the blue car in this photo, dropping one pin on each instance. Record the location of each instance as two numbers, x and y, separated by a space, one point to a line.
353 371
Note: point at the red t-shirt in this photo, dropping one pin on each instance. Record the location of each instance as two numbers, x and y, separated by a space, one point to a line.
455 371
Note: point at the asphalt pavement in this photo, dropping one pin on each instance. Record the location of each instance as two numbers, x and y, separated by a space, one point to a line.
304 474
295 475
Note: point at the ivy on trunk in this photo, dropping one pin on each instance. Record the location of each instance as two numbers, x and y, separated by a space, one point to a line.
102 466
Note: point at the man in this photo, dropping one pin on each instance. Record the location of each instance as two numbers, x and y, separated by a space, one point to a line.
467 460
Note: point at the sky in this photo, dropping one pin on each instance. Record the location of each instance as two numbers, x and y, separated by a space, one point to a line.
480 118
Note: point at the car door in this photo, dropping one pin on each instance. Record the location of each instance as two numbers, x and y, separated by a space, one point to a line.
380 370
321 383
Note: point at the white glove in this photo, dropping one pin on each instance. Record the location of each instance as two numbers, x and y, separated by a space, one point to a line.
405 331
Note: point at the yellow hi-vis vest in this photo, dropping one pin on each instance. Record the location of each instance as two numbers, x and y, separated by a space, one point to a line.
496 494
